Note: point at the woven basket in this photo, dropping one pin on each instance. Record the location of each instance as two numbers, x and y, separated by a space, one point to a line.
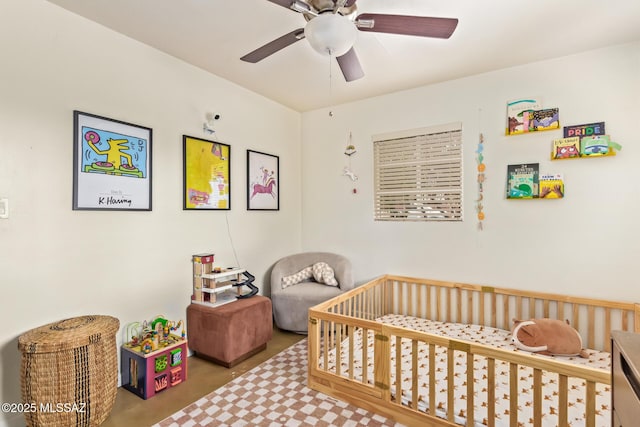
69 371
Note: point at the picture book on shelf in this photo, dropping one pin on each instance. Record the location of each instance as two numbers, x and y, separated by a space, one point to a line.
566 148
547 119
581 131
551 186
517 114
523 181
597 145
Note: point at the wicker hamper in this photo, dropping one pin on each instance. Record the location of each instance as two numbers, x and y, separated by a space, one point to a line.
69 371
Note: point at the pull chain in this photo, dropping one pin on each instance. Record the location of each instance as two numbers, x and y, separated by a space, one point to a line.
330 85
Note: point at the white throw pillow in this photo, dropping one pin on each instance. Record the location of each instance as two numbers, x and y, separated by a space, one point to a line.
323 273
304 274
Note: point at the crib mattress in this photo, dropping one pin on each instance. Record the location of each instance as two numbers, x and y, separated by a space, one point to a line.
487 336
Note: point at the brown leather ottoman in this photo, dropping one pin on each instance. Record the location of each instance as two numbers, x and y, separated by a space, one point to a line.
232 332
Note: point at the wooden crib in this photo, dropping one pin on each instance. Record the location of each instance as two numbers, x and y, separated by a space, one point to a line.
334 327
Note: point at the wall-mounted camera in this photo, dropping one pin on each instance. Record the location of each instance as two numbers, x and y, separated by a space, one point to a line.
208 125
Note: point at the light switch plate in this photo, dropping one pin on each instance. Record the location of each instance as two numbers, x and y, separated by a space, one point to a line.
4 208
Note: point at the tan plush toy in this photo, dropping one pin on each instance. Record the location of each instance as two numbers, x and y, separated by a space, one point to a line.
547 336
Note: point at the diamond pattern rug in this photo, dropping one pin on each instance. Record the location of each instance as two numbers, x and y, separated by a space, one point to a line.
273 394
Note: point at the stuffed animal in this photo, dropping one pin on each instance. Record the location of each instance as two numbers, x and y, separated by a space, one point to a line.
547 336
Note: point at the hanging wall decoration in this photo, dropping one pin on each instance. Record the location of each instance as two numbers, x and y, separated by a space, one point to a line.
348 171
481 169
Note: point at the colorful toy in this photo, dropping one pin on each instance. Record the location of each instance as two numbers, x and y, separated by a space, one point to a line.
152 356
214 286
152 335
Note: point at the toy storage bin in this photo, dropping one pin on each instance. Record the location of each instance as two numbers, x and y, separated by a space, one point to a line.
69 371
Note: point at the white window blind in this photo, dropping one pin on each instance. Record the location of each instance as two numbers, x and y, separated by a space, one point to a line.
418 175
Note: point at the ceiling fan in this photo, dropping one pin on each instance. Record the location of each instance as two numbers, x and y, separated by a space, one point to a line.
332 26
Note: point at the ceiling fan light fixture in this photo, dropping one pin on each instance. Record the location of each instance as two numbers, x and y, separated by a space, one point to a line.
331 34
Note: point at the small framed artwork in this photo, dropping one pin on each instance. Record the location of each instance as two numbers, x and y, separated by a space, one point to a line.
207 174
263 181
111 164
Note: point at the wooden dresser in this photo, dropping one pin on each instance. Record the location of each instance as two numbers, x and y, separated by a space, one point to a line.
625 379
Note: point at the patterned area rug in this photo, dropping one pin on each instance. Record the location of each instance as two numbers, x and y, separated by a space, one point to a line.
273 394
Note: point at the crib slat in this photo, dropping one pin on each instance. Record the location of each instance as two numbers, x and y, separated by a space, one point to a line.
325 344
563 400
458 305
513 395
591 321
505 313
607 330
519 307
338 351
537 398
398 361
491 391
532 308
494 310
382 363
576 317
410 300
414 374
469 307
365 355
470 390
432 379
351 333
545 306
590 404
451 400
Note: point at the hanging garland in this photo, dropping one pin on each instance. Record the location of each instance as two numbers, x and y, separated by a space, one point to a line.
481 169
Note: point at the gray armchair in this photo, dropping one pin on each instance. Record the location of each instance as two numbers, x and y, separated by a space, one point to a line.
291 304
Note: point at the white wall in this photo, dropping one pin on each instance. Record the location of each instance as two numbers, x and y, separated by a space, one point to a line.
57 263
585 244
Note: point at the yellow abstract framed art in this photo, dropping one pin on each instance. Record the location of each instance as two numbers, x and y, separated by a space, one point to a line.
207 174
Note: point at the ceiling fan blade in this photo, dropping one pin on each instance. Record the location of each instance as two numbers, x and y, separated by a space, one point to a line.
350 66
295 5
422 26
283 3
273 46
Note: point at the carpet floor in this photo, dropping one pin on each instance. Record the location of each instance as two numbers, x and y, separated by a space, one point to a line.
273 394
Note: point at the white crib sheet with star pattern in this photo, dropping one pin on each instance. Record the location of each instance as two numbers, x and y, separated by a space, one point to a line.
487 336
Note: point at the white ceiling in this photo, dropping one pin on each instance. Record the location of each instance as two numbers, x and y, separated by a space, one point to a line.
491 34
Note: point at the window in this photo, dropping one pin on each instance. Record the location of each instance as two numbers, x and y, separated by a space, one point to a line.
418 174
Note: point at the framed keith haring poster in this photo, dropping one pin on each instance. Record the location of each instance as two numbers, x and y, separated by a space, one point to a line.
207 174
111 164
263 181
